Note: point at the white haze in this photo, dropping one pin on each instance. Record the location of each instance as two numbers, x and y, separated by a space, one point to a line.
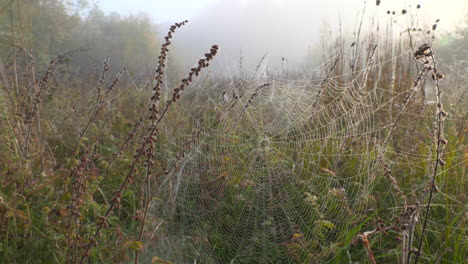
290 29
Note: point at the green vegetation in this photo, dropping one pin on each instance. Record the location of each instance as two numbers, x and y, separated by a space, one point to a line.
269 169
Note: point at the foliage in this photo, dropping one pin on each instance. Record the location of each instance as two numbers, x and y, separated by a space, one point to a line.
68 134
78 36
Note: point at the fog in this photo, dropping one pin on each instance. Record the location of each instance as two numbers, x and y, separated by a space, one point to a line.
115 150
247 30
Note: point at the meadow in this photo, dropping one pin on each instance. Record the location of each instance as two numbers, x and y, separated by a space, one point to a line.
361 160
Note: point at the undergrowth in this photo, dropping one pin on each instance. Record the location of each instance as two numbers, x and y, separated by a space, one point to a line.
83 164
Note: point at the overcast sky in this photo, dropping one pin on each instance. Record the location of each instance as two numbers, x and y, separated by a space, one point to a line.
450 11
283 28
160 10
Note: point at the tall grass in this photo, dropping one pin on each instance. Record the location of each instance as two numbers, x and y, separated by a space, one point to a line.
81 168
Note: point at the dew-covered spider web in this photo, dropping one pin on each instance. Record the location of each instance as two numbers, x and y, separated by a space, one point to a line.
275 170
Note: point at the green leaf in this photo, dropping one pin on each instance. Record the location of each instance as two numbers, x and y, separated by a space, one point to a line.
136 246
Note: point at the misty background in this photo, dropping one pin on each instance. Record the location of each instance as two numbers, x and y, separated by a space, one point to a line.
290 34
292 30
291 164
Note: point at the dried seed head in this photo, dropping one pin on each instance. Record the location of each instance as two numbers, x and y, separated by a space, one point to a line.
160 70
442 162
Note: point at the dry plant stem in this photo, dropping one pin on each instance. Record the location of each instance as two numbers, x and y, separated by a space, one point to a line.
150 195
6 6
325 81
370 253
422 54
103 75
100 101
154 104
6 83
255 94
364 237
416 83
355 53
368 66
202 63
393 85
159 76
123 186
36 102
236 99
79 190
153 110
124 145
439 122
15 65
406 101
408 237
260 62
153 115
366 74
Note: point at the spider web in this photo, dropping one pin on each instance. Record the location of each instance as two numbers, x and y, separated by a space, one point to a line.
278 170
